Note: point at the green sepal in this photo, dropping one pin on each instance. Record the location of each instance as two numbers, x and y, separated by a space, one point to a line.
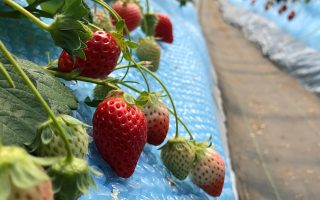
152 98
47 136
120 26
5 185
52 6
71 179
148 23
121 41
20 167
100 92
129 98
67 31
132 45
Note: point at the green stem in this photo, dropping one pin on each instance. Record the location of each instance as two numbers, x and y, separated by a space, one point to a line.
6 75
183 124
27 14
40 99
130 87
118 18
148 7
167 92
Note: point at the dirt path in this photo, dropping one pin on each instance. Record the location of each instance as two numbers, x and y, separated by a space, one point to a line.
273 122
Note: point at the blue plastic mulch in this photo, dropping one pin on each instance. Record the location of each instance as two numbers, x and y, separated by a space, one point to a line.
185 69
305 26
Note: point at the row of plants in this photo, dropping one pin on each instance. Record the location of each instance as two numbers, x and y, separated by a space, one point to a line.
43 148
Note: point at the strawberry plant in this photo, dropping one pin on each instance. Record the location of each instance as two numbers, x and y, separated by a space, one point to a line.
122 124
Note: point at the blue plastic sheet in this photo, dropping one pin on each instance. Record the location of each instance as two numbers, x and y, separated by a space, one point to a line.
185 69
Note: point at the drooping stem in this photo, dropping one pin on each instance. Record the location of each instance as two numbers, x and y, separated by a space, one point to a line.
118 18
26 13
183 124
6 75
148 7
37 94
167 92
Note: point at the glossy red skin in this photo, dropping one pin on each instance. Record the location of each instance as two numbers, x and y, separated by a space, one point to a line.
102 54
129 12
120 133
158 123
164 28
65 63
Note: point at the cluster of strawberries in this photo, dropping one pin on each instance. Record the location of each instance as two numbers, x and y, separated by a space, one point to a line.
122 127
284 7
122 124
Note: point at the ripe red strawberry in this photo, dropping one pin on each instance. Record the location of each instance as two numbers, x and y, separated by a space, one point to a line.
102 54
208 172
157 116
129 12
164 28
291 15
178 157
120 132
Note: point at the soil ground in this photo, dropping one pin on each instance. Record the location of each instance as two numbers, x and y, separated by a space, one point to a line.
273 122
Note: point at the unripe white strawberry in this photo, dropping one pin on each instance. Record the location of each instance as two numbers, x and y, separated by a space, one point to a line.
208 172
48 143
178 156
22 177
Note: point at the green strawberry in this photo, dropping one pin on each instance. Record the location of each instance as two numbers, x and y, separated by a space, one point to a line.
178 156
103 20
48 142
149 50
71 179
100 92
22 177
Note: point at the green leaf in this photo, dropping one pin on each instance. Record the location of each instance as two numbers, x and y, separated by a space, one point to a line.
132 45
129 98
120 26
52 6
20 111
148 23
68 31
46 136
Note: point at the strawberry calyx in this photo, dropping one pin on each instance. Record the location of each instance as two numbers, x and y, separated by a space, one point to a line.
128 98
47 131
71 179
20 169
150 98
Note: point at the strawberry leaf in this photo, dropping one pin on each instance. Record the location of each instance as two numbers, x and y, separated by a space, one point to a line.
120 26
132 45
67 30
20 111
148 23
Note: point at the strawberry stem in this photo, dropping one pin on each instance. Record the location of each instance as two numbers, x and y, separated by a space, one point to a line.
167 92
39 97
27 14
6 75
118 18
148 7
183 124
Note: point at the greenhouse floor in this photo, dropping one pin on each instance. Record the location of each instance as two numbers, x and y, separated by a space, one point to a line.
272 121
